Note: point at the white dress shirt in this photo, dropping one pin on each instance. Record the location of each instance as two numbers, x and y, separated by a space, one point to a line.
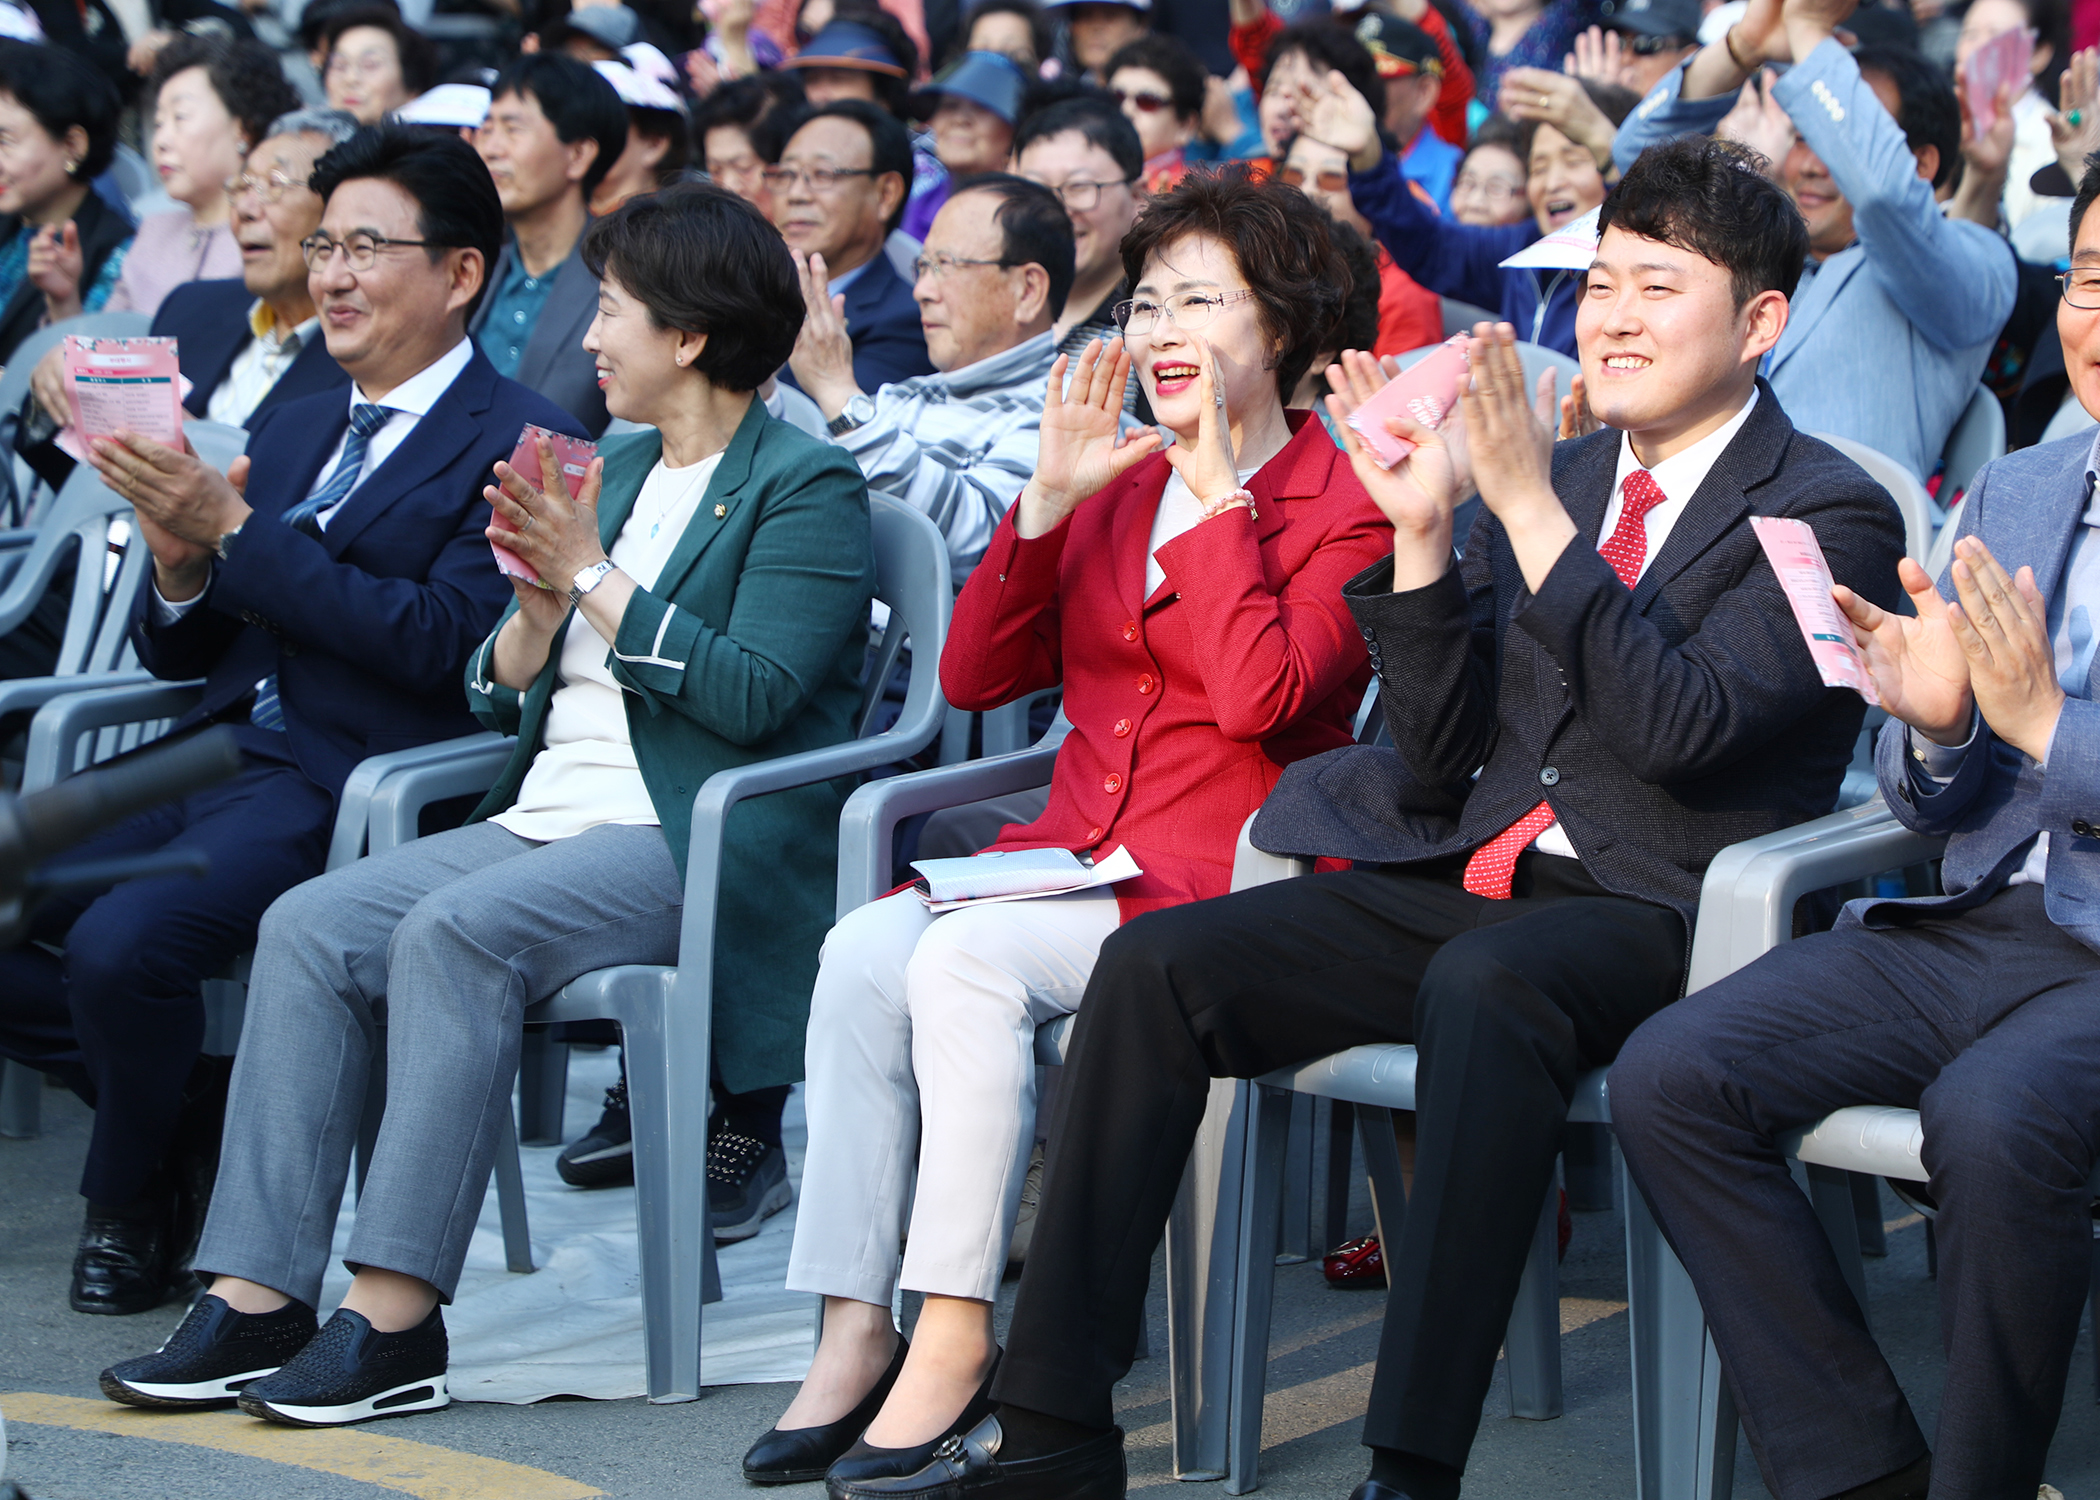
259 365
1679 478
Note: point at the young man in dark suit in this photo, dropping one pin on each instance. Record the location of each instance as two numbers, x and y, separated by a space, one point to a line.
329 590
1980 1009
1617 661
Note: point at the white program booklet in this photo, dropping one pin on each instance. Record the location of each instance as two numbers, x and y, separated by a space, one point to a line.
1015 875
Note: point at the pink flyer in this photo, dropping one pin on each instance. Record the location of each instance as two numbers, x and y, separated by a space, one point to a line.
2001 63
1797 557
124 385
573 454
1424 394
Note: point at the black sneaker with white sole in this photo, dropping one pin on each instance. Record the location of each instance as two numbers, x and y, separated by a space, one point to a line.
352 1372
604 1157
212 1356
747 1183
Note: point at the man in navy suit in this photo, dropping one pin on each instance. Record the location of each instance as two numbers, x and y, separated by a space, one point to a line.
329 589
838 191
1979 1008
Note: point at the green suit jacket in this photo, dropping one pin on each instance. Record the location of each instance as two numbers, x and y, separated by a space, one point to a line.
750 646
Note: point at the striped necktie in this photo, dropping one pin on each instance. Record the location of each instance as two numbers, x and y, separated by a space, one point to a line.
1493 866
365 421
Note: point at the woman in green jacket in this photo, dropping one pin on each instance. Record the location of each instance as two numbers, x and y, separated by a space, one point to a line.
705 595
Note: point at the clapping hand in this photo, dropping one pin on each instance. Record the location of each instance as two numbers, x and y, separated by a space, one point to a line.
556 535
1418 493
2002 625
1080 451
823 355
1512 431
1576 418
1918 665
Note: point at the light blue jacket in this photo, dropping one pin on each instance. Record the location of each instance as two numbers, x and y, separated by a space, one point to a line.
2027 507
1886 339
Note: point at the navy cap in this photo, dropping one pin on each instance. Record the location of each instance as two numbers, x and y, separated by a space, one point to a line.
848 44
990 79
1654 17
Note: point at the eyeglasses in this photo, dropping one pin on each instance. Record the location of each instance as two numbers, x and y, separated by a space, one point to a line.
360 249
1494 189
2081 289
1081 195
938 266
1327 180
1188 312
1145 101
1648 46
820 179
270 189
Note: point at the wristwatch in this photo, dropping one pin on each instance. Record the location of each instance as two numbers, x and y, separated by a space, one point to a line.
858 413
588 579
226 540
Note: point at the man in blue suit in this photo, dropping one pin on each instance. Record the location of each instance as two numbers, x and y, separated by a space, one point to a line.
1979 1008
328 589
838 191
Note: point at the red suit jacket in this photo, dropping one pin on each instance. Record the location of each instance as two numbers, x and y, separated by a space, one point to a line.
1186 706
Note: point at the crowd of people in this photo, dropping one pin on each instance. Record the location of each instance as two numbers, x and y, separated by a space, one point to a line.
1101 288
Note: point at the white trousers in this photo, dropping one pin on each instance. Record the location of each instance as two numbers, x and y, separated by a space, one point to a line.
922 1049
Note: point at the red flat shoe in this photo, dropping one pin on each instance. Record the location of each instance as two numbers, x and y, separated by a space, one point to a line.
1357 1266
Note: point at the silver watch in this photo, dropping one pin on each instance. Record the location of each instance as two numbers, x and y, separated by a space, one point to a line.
857 413
588 579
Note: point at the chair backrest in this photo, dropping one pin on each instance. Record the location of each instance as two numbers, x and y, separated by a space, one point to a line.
1921 518
1461 317
1537 359
912 579
78 518
1977 438
217 443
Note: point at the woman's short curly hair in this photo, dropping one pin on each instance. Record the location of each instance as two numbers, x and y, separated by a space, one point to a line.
243 72
1284 246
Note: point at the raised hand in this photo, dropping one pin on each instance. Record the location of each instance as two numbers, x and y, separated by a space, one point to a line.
55 266
1418 493
1209 469
2002 625
822 358
1919 668
1512 441
2076 132
1986 156
1599 57
1080 452
1556 99
1809 23
1331 111
1759 122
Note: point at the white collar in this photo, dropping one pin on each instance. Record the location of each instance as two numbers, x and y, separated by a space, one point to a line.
416 395
1680 475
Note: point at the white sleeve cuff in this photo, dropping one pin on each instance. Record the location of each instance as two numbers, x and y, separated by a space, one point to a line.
1938 761
165 613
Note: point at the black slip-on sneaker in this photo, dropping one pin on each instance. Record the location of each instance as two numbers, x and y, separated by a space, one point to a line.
604 1155
212 1356
352 1372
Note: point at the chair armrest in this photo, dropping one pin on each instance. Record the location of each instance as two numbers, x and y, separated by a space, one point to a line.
89 702
386 794
1252 866
868 824
1746 905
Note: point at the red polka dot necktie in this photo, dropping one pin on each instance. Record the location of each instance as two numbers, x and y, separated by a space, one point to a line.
1489 871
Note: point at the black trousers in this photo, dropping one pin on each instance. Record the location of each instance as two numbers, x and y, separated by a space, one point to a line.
121 1014
1510 1003
1988 1023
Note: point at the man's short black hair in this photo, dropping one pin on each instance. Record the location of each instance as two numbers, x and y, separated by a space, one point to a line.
60 90
703 260
1095 116
1329 47
577 101
243 72
1171 59
1035 230
2088 190
1931 115
456 202
889 146
1712 198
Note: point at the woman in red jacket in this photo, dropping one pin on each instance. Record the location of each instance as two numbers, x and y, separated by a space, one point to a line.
1190 603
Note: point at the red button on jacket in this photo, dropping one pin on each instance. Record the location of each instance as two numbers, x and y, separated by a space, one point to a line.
1145 684
1122 728
1111 783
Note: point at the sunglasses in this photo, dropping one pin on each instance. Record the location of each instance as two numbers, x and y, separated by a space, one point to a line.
1327 181
1648 46
1146 102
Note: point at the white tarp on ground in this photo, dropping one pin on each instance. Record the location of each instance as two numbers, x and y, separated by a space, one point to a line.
574 1326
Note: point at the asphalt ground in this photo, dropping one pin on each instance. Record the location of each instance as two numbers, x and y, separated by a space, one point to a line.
69 1444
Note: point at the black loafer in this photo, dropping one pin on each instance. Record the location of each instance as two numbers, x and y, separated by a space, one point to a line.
969 1466
126 1265
864 1461
801 1455
1371 1489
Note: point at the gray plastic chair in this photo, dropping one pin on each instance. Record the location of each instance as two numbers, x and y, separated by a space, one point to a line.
1978 437
1921 514
1462 317
665 1012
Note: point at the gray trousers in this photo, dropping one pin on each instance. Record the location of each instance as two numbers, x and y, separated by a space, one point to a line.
443 942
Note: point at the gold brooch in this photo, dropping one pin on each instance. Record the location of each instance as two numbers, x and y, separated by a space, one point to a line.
721 511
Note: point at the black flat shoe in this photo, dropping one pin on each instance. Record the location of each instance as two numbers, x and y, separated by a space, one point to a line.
967 1467
864 1461
126 1264
212 1356
801 1455
1371 1489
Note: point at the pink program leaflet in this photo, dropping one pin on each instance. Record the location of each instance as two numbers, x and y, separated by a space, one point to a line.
1797 557
573 454
2001 61
1424 394
132 385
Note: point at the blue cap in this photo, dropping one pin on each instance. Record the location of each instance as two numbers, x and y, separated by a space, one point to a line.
848 44
990 79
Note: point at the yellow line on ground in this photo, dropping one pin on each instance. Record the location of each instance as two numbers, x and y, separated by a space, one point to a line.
420 1469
